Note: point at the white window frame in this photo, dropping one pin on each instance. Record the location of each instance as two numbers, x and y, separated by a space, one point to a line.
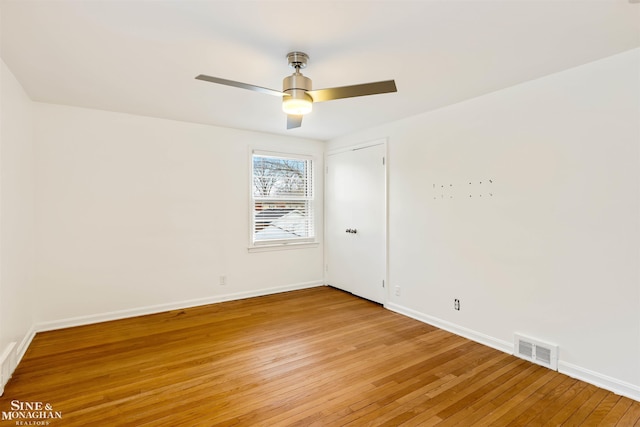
293 243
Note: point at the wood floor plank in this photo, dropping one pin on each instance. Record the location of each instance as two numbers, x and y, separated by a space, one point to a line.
511 405
616 413
488 401
579 416
572 406
561 400
464 392
632 416
603 408
426 406
314 357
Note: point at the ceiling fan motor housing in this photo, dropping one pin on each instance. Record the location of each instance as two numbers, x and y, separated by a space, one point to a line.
296 86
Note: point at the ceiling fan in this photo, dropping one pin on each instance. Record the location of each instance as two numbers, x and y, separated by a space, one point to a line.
297 95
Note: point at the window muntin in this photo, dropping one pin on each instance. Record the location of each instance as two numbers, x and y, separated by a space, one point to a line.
282 199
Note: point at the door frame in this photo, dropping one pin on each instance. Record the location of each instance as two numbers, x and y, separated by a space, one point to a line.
385 231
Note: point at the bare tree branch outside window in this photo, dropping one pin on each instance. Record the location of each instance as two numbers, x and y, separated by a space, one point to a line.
274 177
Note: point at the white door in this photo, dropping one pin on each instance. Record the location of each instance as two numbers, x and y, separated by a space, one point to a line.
355 227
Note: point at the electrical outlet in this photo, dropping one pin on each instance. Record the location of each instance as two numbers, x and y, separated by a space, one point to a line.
223 280
456 304
397 291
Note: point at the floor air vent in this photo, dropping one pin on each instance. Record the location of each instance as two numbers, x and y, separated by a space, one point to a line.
535 351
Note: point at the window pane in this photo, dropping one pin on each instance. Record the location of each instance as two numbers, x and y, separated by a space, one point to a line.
283 220
279 177
282 198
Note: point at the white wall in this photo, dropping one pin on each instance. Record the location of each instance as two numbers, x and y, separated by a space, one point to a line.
16 213
554 253
138 214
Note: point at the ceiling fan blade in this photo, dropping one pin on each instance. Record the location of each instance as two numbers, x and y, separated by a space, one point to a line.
364 89
240 85
294 121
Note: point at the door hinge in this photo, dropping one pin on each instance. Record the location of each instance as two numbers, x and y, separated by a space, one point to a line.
383 283
383 161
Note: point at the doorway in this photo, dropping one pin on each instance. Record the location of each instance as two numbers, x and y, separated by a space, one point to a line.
356 220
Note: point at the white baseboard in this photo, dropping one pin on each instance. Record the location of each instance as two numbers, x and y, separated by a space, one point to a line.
8 364
478 337
142 311
12 356
26 342
603 381
599 380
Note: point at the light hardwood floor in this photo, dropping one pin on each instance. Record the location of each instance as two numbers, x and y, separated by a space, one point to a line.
315 357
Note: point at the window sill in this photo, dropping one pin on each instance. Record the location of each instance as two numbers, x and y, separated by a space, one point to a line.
283 246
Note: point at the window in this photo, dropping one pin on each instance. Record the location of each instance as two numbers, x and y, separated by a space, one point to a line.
282 199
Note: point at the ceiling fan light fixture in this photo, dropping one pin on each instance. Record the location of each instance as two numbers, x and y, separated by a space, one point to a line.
297 105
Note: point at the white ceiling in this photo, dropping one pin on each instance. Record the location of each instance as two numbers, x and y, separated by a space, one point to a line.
141 57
